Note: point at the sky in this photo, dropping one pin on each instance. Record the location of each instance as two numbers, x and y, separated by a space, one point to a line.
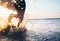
36 9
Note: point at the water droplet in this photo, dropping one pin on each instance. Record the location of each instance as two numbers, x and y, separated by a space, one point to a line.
22 8
18 5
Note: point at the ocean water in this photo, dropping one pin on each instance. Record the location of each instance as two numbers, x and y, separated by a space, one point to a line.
37 30
43 29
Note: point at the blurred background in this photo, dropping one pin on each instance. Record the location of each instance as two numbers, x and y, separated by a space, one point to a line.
43 20
43 9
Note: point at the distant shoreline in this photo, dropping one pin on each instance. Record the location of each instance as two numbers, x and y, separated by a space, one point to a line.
44 19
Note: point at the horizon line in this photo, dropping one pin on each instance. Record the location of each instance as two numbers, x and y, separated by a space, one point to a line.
42 18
